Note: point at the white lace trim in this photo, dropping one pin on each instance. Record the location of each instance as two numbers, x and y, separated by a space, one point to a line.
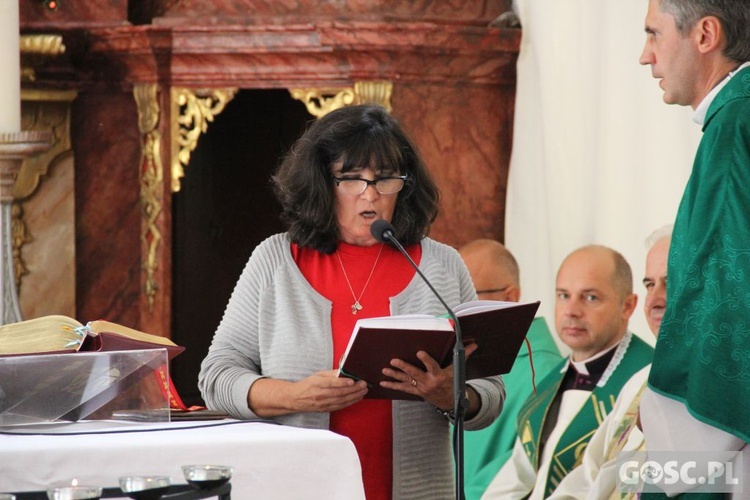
616 358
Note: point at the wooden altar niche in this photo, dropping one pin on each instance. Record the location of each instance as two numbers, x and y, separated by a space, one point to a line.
139 68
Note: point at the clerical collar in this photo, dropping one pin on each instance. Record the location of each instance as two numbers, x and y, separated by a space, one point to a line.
699 116
584 375
582 367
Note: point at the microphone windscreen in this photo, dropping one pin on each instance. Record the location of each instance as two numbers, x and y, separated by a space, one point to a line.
379 230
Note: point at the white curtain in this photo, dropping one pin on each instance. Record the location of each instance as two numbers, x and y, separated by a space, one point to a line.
598 157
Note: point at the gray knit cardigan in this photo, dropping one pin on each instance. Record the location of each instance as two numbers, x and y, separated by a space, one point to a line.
276 325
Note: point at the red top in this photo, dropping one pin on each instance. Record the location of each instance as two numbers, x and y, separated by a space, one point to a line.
367 423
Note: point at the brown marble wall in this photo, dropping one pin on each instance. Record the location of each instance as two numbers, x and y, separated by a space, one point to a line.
459 136
453 86
268 11
108 218
73 13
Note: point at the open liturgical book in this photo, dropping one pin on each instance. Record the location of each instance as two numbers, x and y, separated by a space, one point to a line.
498 328
57 333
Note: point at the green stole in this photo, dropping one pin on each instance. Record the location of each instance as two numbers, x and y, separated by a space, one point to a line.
569 450
701 356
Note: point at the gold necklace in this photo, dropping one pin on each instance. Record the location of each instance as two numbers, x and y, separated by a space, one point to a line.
357 306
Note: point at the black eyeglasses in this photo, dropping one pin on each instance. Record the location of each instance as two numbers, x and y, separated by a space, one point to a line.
357 185
493 290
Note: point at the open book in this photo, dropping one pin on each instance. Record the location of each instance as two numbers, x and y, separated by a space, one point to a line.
57 333
498 328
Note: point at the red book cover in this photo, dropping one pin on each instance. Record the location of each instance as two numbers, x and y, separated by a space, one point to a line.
498 328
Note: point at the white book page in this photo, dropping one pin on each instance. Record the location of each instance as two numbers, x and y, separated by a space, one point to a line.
476 306
404 321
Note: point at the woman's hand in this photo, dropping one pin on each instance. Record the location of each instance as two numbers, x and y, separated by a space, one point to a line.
322 392
433 384
326 392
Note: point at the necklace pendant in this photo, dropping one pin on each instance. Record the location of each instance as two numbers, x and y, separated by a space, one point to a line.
356 307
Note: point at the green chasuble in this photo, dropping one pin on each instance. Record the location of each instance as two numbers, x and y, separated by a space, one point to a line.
702 355
630 356
486 450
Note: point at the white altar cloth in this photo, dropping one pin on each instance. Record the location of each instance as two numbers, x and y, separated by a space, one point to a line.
270 461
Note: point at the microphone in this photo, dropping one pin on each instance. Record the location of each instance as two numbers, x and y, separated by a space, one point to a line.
383 231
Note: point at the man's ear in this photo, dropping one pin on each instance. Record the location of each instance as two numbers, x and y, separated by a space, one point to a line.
513 294
709 34
628 305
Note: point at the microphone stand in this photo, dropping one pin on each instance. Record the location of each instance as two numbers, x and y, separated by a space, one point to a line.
460 401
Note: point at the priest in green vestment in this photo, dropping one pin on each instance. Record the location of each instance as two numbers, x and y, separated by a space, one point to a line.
496 276
593 304
699 386
597 476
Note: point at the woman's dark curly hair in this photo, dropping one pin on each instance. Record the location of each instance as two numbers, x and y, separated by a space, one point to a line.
359 137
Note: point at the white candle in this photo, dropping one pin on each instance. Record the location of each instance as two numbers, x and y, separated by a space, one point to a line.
10 64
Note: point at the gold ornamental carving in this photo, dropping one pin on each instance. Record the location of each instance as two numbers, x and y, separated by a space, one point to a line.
192 110
321 101
374 93
35 49
45 45
152 181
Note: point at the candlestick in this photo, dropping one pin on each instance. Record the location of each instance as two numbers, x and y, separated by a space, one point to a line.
13 149
10 62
